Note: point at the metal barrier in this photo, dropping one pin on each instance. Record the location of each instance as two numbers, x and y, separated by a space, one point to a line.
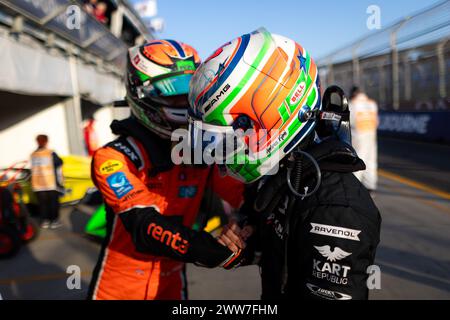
92 36
404 67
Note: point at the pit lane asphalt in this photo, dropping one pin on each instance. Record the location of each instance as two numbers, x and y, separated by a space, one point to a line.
413 255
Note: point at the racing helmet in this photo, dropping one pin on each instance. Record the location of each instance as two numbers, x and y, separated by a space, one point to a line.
257 81
157 83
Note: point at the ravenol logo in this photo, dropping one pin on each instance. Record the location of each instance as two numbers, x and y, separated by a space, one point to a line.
119 183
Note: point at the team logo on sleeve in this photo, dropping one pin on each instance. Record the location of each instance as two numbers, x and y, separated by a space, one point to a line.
119 183
110 166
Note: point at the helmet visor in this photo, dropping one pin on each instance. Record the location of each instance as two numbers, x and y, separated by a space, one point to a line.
166 87
218 142
168 92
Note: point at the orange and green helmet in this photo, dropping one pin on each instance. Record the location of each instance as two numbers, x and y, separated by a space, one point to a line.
157 82
260 83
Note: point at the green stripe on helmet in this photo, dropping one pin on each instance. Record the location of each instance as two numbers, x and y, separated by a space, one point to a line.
217 114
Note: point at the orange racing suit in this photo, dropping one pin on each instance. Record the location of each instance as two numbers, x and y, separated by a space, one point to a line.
151 206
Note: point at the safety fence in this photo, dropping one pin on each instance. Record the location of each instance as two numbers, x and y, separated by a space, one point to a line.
404 67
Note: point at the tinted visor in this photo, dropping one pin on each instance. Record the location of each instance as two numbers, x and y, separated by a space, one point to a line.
177 85
170 92
221 142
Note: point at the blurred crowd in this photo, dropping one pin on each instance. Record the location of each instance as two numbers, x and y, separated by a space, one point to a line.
97 9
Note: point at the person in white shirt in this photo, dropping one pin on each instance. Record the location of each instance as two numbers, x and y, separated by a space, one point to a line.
364 123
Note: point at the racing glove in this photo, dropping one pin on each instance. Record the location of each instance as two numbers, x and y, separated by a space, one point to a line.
167 236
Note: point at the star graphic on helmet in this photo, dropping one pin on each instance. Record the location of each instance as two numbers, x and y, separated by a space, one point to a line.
302 60
221 67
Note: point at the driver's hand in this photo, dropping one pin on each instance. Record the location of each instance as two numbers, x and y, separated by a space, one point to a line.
231 237
246 232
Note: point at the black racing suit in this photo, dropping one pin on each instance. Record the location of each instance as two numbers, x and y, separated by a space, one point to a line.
318 247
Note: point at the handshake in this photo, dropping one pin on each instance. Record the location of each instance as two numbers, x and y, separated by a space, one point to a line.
235 238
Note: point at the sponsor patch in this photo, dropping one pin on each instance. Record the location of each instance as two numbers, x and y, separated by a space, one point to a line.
330 271
336 232
331 116
298 93
110 166
133 195
167 237
282 136
119 183
130 153
187 191
219 95
136 59
327 294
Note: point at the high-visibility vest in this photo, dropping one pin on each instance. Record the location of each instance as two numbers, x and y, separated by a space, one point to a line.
364 114
43 175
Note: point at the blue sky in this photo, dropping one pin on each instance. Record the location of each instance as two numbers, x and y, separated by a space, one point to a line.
319 26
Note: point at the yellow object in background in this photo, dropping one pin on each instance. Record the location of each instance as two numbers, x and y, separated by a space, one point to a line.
77 180
213 224
77 177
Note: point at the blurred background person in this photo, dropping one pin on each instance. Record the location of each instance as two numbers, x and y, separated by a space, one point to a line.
46 182
364 123
90 136
100 12
89 6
